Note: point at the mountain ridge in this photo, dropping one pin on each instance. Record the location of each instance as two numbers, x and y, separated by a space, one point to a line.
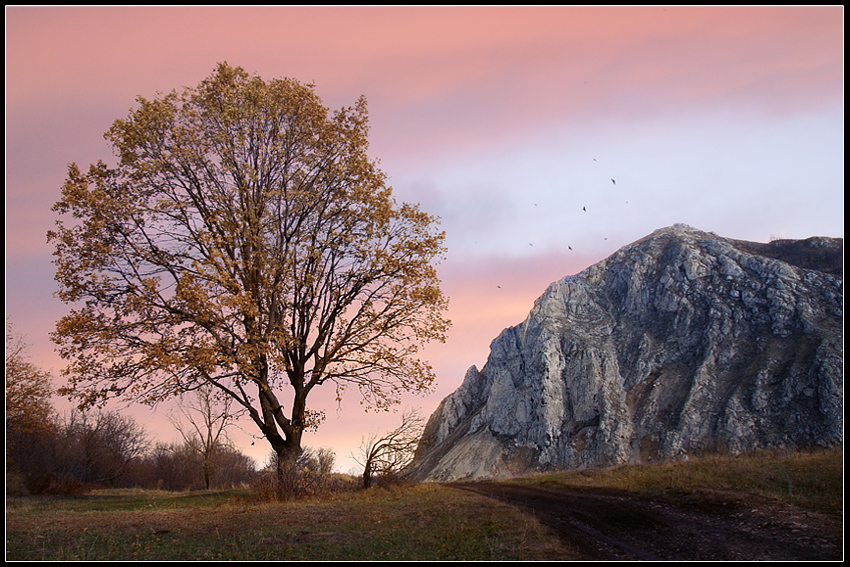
679 343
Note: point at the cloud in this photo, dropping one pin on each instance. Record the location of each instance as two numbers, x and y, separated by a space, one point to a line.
457 76
726 118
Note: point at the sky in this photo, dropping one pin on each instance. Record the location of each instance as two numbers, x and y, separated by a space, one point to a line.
545 139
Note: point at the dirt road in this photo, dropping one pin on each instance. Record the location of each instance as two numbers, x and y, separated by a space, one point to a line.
614 525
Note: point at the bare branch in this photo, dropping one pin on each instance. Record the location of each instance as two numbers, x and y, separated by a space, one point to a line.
387 455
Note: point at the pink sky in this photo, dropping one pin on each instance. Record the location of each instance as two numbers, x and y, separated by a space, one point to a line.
505 121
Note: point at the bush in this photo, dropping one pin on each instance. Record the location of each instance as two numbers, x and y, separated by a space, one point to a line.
311 473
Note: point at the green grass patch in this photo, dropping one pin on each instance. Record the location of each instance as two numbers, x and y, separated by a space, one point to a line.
116 500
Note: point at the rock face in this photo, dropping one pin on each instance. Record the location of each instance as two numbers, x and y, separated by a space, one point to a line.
681 343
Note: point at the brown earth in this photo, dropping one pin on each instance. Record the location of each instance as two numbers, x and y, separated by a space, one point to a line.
606 524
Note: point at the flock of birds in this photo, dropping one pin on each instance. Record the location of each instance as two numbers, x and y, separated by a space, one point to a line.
584 209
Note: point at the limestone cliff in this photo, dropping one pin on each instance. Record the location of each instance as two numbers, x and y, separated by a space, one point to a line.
683 342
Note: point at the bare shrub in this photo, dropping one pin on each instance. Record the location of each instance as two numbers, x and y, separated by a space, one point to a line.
310 473
383 458
98 448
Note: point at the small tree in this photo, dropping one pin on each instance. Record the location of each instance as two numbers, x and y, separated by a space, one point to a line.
172 466
31 422
170 469
97 448
386 456
203 431
245 240
28 392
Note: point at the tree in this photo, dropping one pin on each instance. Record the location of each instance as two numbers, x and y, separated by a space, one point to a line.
233 468
246 241
204 433
98 448
387 455
172 466
28 390
169 469
31 421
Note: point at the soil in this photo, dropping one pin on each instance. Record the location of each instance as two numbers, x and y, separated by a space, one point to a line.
605 524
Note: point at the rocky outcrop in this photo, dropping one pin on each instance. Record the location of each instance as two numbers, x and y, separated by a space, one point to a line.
681 343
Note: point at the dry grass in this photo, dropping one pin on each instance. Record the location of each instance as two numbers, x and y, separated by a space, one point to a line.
813 480
423 522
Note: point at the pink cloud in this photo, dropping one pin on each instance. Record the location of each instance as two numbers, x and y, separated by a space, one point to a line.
412 53
441 81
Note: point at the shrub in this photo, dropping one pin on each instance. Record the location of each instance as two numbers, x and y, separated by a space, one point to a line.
311 473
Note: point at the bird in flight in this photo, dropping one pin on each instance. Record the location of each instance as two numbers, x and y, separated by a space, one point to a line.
584 209
614 182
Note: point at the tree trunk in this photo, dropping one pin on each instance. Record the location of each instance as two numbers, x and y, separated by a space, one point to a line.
288 485
367 475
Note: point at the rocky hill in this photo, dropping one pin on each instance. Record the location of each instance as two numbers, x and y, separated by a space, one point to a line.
681 343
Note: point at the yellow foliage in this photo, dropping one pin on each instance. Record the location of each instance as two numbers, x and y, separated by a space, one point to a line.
28 390
244 240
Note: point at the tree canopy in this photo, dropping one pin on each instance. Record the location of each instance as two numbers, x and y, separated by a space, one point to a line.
244 240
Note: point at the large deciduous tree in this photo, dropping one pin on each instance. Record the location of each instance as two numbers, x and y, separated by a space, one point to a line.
244 240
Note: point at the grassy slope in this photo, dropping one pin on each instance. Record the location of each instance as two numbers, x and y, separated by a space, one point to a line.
810 480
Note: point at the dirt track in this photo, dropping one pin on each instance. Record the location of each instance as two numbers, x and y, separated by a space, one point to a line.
614 525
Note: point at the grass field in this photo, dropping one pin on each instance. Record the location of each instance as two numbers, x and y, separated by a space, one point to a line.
416 522
420 522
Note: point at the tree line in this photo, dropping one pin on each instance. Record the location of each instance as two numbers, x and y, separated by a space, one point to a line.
49 453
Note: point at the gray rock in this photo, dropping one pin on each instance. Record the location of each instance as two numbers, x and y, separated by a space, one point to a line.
681 343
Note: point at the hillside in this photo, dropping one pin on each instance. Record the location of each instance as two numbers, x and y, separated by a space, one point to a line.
681 343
